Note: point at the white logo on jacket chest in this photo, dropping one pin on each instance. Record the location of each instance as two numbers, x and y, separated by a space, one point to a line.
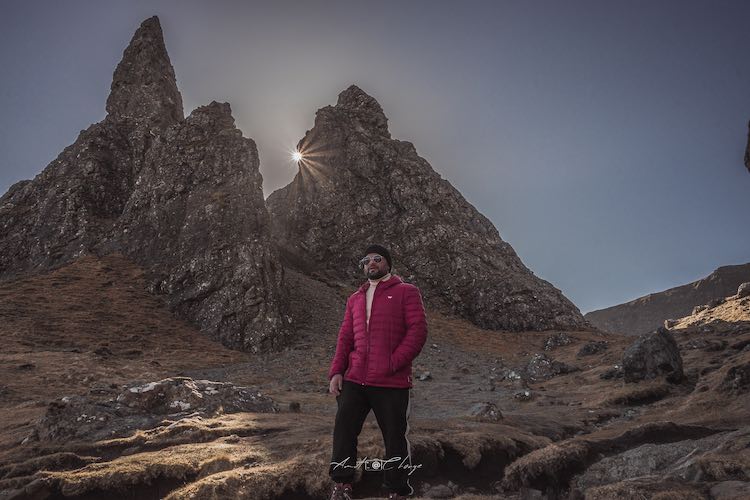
390 296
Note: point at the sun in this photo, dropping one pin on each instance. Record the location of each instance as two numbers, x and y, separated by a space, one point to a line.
297 156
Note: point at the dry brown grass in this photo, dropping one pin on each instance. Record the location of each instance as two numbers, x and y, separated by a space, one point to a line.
549 466
729 467
734 310
642 490
177 462
269 481
92 324
52 325
640 394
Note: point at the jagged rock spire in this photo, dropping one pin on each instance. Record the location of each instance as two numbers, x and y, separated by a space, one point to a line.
361 110
358 186
182 197
364 108
144 88
198 223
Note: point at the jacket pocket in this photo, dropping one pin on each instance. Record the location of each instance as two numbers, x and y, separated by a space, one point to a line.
351 363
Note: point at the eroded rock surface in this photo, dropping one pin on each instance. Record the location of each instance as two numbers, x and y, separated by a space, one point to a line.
107 413
181 197
541 367
737 380
69 207
197 221
486 412
357 185
653 355
704 459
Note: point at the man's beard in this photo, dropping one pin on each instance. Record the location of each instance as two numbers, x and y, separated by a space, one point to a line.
376 274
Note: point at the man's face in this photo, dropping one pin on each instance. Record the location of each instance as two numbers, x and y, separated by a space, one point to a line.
374 269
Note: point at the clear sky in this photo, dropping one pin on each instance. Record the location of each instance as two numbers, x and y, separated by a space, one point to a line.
604 139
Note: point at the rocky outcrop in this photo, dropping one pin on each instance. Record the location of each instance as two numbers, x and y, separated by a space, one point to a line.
144 88
69 207
197 221
485 412
357 185
553 467
718 457
737 380
591 348
143 406
723 314
540 367
181 197
653 355
645 314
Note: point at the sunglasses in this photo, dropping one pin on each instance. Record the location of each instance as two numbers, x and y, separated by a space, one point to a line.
366 260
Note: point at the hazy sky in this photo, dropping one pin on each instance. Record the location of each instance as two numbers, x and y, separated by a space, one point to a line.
604 139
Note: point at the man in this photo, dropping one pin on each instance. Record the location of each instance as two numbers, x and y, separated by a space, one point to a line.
383 330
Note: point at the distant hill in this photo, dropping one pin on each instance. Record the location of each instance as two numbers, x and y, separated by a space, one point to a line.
647 313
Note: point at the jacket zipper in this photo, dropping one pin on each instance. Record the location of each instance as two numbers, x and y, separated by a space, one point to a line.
367 331
367 334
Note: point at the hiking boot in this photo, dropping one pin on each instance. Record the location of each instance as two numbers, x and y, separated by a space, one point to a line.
341 491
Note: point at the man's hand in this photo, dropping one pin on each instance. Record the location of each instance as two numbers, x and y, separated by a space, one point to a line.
336 384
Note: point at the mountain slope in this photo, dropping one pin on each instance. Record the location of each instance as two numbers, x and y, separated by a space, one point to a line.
647 313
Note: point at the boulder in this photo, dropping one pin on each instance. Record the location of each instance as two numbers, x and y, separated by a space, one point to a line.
737 380
486 412
591 348
540 367
653 355
669 323
698 309
557 340
614 372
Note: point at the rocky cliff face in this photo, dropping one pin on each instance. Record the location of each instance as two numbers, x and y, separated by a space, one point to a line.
644 314
182 197
197 220
357 185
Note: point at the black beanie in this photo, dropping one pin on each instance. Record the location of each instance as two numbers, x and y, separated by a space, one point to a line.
382 251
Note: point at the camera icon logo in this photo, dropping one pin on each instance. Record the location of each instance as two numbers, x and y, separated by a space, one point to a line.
373 464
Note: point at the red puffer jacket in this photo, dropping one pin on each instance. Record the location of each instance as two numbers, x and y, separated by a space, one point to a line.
381 355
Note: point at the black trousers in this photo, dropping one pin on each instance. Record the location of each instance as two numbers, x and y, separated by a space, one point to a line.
391 408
